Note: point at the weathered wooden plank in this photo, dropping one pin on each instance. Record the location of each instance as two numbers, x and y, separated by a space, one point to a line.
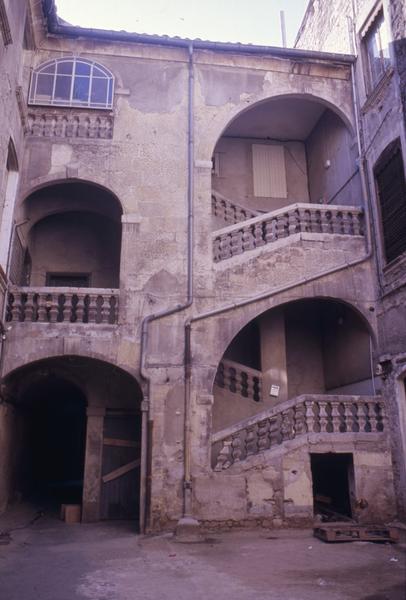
121 470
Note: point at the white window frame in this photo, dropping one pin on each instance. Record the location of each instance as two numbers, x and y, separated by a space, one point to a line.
70 101
375 27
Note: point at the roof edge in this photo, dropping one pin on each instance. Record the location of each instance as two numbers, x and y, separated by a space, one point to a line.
58 27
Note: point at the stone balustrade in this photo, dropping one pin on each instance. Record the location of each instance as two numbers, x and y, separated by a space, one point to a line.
305 414
62 305
228 211
69 124
239 379
282 223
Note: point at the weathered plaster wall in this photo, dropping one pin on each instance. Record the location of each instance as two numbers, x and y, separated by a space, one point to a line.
275 488
332 166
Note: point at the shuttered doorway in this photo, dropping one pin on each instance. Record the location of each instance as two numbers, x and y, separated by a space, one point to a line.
121 466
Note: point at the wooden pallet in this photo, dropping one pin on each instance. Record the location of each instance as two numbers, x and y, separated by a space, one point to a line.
344 532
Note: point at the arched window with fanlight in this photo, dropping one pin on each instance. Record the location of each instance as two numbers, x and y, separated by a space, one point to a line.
72 82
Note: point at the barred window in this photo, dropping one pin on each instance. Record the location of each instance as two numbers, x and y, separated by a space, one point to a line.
72 82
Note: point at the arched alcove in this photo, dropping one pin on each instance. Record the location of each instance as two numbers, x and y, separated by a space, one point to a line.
70 237
311 346
285 150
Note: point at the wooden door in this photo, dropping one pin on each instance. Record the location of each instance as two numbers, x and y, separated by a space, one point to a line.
121 466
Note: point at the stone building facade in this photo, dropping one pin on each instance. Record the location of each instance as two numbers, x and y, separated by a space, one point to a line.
193 329
382 114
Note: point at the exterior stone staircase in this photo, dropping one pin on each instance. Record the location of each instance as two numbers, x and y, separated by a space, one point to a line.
300 416
250 231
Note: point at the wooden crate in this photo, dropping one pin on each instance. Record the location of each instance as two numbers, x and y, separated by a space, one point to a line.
351 533
71 513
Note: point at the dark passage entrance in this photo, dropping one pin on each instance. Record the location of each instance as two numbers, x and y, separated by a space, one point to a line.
55 447
332 480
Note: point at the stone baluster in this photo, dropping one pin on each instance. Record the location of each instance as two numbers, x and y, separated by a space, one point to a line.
256 389
354 418
232 375
287 429
248 240
310 416
216 249
16 307
293 222
236 447
347 223
259 234
329 419
262 433
316 221
358 223
93 128
105 309
225 251
236 242
307 220
67 307
373 421
271 230
281 226
363 417
300 419
58 129
115 309
335 416
274 433
53 308
326 221
244 384
337 222
92 308
381 416
251 440
29 307
224 459
80 308
229 212
43 308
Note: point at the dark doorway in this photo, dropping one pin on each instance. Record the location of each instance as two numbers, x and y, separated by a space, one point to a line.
55 422
332 481
121 465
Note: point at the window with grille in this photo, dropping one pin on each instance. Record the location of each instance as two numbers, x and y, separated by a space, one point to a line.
72 82
391 187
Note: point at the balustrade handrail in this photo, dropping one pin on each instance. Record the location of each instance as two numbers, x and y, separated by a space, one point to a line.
56 304
215 194
285 210
293 220
241 367
228 210
304 415
62 290
219 436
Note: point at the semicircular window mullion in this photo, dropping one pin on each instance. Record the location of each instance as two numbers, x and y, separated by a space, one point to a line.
72 82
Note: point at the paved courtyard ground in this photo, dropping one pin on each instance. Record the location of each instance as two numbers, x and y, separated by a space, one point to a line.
50 560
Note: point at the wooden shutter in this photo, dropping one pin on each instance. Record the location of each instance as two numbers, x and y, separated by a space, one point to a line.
269 174
390 178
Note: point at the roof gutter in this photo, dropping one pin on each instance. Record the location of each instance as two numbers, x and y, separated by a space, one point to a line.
57 28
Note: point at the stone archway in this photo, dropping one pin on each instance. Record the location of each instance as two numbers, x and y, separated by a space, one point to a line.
74 424
308 346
